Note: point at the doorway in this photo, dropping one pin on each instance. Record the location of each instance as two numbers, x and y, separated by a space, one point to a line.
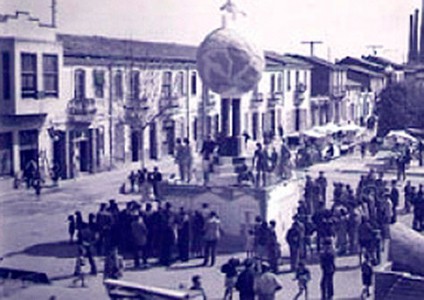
153 141
135 145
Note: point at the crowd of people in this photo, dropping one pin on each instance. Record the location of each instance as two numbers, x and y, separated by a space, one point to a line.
152 233
355 222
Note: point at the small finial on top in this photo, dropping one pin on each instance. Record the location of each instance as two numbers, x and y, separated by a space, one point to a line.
230 8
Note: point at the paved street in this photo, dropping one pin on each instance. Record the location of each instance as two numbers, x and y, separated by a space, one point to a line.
34 231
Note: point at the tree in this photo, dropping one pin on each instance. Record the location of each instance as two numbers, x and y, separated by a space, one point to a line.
393 109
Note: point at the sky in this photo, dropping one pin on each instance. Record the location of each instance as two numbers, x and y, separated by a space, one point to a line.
346 27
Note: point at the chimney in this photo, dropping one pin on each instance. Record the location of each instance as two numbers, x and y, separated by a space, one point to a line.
411 39
415 37
54 11
421 58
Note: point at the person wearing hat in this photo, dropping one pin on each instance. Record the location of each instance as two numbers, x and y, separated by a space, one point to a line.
321 181
245 281
328 268
267 284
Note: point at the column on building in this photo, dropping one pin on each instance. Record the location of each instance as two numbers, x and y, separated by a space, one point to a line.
15 151
225 116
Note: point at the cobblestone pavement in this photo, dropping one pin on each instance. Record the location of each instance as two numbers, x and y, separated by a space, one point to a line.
33 234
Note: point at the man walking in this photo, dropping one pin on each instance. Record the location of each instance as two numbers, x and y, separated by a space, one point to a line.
245 281
294 239
207 150
394 197
259 162
154 178
267 284
187 159
328 268
321 181
179 158
211 236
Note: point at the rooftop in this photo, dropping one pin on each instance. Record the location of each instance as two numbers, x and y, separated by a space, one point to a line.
113 48
382 61
363 70
286 60
314 60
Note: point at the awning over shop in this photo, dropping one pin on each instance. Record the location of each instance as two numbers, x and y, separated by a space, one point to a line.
401 136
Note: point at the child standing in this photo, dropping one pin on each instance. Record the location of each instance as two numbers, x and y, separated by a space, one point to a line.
197 285
250 244
71 228
303 276
79 268
367 273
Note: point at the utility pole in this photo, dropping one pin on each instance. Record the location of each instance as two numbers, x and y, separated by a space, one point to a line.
312 45
54 11
374 48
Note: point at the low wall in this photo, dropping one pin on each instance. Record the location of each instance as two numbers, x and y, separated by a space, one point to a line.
237 207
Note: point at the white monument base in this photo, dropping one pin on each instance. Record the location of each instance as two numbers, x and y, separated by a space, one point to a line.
237 207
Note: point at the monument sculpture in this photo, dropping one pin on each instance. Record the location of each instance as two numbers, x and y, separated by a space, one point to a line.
230 66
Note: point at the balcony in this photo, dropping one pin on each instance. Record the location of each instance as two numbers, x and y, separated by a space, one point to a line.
300 88
257 99
170 101
299 94
81 110
338 92
275 99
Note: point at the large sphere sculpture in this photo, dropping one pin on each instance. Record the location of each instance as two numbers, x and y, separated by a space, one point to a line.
228 64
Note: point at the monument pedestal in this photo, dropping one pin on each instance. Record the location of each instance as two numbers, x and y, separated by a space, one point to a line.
226 171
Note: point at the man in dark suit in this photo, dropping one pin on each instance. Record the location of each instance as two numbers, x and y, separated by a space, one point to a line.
154 178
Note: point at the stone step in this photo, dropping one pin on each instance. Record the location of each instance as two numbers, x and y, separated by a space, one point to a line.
226 179
227 168
227 160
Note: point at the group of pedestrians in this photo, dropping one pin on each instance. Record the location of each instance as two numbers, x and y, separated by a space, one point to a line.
414 200
184 159
253 279
266 161
145 182
148 231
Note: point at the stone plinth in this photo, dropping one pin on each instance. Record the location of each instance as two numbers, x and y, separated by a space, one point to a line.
238 206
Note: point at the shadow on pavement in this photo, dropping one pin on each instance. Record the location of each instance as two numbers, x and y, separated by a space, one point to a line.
61 249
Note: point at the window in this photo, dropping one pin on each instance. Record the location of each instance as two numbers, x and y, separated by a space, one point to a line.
135 85
6 75
79 84
119 93
99 83
180 84
280 82
166 84
50 75
296 78
305 78
28 75
288 81
193 83
272 83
